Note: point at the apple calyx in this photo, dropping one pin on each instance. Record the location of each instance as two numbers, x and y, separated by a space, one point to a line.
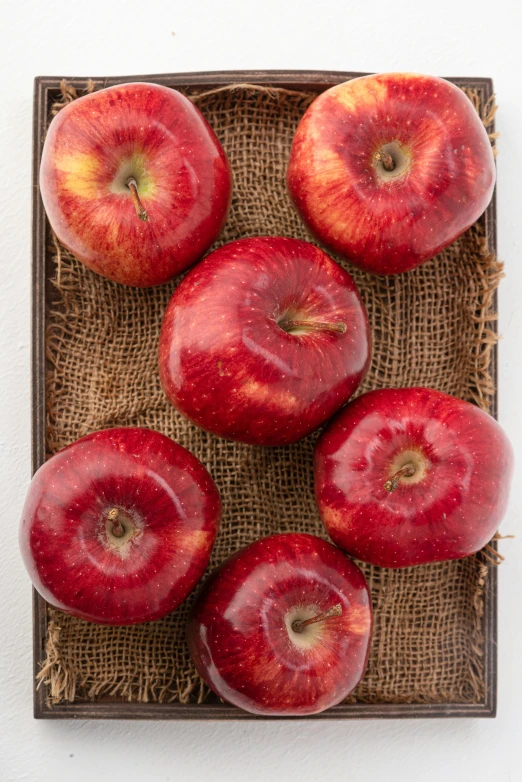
291 326
140 210
298 625
383 157
118 530
407 472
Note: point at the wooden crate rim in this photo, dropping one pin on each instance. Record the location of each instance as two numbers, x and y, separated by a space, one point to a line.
315 80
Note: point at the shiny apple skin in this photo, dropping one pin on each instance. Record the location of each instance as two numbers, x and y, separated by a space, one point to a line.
226 364
158 136
160 485
240 635
391 226
451 512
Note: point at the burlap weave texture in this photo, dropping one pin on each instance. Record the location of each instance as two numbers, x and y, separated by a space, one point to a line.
431 327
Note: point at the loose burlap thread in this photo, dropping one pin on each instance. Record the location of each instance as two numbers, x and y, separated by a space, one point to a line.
431 327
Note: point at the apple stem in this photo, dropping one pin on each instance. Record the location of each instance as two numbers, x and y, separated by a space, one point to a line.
299 624
386 159
117 528
312 325
407 471
133 187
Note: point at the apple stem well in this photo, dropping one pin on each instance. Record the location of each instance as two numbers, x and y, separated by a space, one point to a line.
407 471
299 624
118 530
290 326
140 210
388 163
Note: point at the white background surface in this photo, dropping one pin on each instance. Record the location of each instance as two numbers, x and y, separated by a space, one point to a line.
101 37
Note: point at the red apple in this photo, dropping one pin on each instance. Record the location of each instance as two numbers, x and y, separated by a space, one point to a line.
390 169
283 627
118 527
409 476
263 341
134 182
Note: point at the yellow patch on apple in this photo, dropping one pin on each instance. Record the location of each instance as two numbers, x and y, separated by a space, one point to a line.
81 174
358 93
197 540
260 392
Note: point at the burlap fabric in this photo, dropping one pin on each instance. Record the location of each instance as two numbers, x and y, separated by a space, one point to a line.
430 327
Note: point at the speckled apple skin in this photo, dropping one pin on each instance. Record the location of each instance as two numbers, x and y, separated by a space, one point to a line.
164 487
227 365
393 226
238 629
182 173
451 513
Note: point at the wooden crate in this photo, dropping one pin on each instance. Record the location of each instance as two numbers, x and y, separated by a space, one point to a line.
46 91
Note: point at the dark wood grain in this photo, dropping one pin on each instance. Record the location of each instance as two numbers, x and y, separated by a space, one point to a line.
46 89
